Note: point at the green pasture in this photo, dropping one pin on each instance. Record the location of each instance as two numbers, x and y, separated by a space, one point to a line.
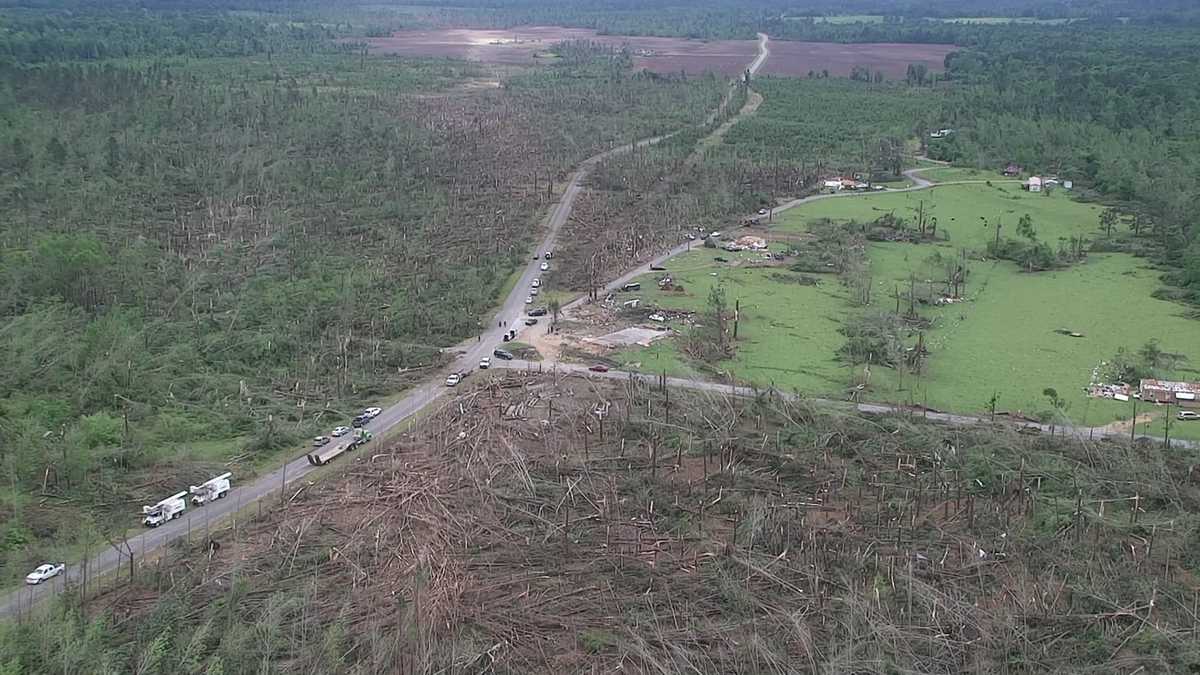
787 332
947 174
1001 341
840 19
999 20
959 209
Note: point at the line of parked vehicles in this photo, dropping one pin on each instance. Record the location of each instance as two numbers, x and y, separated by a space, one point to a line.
349 438
173 507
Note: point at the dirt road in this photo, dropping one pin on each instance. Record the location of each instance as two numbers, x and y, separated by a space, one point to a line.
1080 433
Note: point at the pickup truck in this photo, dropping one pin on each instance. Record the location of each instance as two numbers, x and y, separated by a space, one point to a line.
45 573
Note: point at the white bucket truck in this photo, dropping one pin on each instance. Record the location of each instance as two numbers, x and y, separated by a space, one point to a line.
168 509
213 488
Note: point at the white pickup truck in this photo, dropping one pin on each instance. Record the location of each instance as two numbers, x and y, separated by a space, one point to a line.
45 573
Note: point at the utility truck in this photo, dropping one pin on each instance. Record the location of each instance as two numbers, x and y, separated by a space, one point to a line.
168 509
213 488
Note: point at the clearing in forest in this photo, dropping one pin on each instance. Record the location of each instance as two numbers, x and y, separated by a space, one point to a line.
534 44
1000 340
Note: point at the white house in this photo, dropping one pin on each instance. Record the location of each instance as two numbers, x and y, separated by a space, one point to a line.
835 184
1034 184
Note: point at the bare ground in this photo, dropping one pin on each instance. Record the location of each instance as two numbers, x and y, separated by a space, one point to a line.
531 45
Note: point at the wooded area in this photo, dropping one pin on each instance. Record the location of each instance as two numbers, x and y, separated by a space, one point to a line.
211 259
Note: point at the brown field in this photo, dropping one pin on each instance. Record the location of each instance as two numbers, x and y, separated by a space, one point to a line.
797 58
527 46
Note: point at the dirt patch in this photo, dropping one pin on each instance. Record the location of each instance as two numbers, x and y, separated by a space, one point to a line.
549 345
531 45
798 58
1122 426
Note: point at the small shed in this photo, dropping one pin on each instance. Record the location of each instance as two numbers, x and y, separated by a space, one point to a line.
1034 184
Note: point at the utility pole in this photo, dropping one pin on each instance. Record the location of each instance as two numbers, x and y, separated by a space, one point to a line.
1133 426
1167 428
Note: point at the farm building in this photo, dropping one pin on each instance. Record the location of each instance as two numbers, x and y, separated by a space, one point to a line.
1034 184
1012 170
1164 391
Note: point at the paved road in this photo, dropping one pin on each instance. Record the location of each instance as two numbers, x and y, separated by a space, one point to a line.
510 315
1081 433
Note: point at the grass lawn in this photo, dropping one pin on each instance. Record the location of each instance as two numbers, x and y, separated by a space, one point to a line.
1000 341
944 174
786 329
844 18
959 208
996 20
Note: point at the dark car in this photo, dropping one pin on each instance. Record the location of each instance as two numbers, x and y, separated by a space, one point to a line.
657 268
503 354
632 286
599 368
530 322
540 311
359 421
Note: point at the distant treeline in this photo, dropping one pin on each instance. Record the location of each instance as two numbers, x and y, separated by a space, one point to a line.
39 37
1107 107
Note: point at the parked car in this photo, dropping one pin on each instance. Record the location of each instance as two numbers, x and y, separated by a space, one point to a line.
534 291
485 363
540 311
691 237
359 420
549 255
632 286
720 259
529 299
531 322
502 354
372 413
545 266
657 268
320 441
762 212
599 368
536 282
45 573
340 431
1183 415
453 380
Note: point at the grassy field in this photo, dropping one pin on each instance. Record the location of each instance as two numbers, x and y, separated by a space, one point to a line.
945 174
959 208
999 20
786 329
1001 341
